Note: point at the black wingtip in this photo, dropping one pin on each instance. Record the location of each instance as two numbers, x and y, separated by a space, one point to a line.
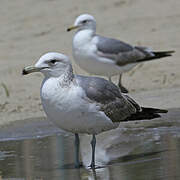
170 52
157 55
153 110
147 114
162 111
163 53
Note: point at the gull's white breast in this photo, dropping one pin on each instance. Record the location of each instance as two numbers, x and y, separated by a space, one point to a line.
85 55
70 110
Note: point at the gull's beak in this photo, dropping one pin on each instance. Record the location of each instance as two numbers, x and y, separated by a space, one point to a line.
30 69
72 27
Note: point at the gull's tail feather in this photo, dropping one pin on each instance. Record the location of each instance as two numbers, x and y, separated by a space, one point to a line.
146 114
156 55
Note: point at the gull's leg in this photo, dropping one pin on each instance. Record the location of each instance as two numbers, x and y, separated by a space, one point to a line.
93 145
77 163
94 174
123 89
110 78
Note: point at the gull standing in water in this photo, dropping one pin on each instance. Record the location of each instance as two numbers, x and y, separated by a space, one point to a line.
82 104
106 56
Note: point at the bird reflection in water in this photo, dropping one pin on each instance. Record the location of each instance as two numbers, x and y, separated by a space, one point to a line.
129 153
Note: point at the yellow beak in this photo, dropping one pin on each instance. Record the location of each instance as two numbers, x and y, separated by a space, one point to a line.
72 27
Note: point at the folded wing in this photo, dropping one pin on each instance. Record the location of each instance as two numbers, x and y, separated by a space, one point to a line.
117 106
122 53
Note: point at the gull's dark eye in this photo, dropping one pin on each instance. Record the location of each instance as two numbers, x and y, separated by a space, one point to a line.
53 61
85 21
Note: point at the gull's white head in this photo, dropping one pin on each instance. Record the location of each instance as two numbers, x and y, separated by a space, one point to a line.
84 21
51 64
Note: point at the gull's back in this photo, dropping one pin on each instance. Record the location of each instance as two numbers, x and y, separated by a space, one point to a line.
114 104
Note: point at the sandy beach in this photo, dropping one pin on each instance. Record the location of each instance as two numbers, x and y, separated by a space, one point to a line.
32 28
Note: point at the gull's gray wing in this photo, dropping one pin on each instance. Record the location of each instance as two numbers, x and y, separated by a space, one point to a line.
114 104
112 46
120 52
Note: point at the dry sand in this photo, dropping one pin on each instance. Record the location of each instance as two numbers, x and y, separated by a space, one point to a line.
29 28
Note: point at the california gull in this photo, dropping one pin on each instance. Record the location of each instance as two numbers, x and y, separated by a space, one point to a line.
106 56
82 104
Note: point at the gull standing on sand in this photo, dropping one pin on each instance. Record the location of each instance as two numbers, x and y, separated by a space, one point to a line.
82 104
106 56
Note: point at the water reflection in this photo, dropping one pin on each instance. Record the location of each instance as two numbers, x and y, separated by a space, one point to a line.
52 158
136 153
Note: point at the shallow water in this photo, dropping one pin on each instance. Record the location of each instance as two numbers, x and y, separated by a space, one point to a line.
38 150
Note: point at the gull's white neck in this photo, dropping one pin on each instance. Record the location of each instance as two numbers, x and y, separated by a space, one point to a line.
67 77
64 79
83 37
